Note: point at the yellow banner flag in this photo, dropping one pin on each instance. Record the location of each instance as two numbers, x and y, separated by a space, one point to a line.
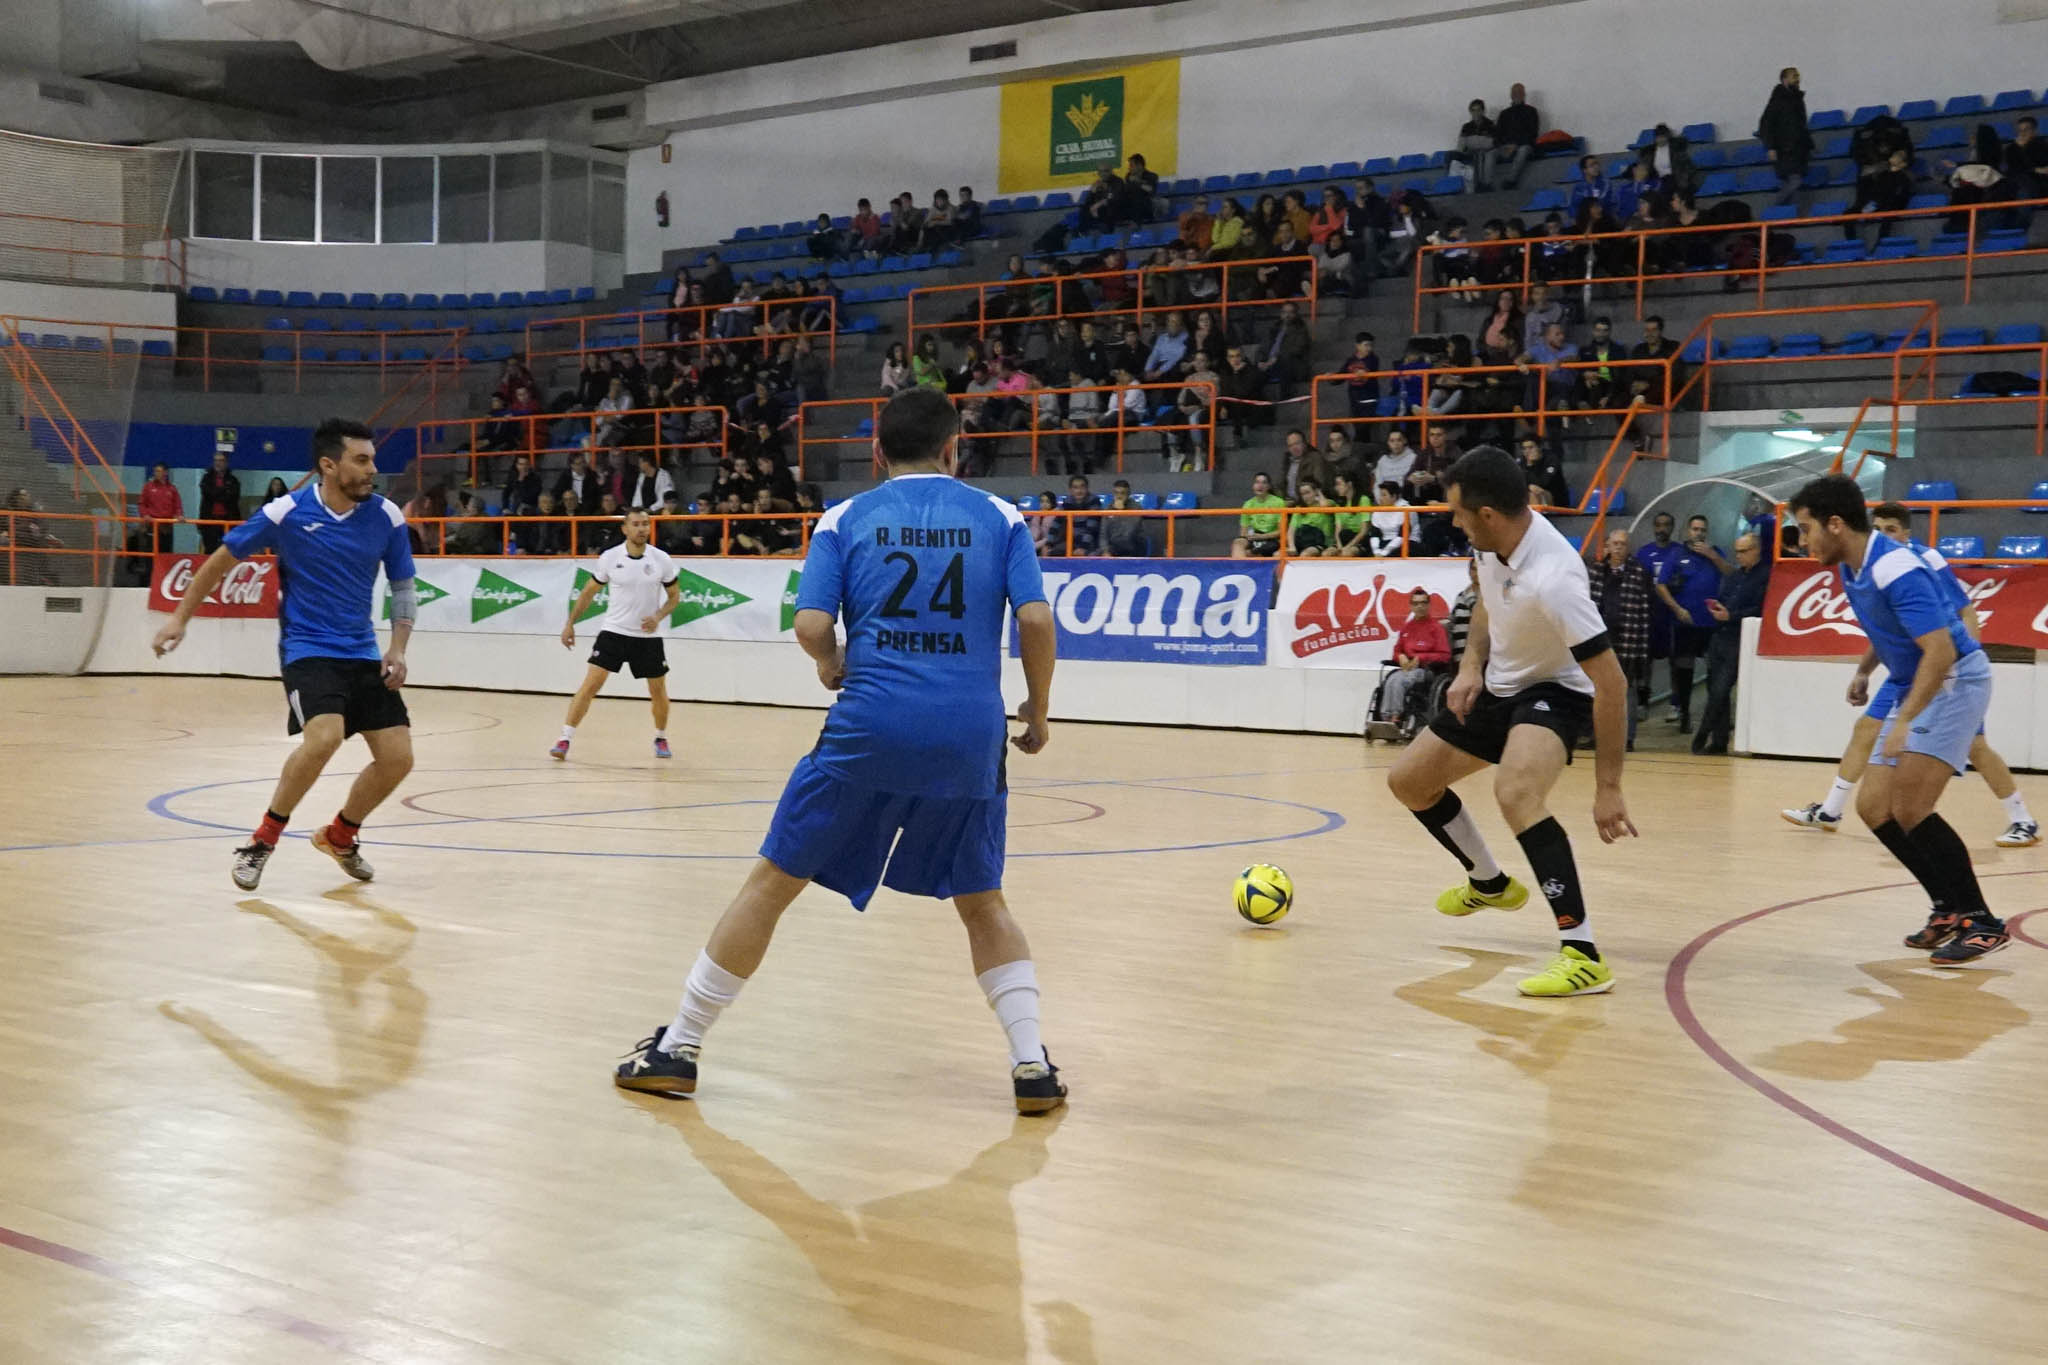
1058 132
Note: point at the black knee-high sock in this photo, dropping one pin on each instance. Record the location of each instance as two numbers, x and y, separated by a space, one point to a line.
1549 850
1947 859
1450 826
1901 846
1681 687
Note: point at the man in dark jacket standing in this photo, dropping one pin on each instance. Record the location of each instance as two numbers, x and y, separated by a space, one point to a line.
220 500
1741 596
1783 132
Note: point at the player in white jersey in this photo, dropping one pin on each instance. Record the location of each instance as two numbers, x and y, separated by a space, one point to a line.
1538 668
2021 830
641 586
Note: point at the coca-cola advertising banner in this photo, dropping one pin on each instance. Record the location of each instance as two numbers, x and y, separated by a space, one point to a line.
250 588
1345 613
1807 615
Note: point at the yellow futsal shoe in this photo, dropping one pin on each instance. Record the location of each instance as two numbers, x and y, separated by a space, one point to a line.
1465 898
1571 972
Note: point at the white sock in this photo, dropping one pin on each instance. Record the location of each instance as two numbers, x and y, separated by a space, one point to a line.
705 995
1012 991
1838 799
1466 836
661 734
2016 808
568 733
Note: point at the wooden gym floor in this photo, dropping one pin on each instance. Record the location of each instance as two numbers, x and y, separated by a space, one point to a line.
319 1123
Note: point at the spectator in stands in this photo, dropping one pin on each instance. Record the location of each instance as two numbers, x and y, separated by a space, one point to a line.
718 284
1327 239
522 487
1226 235
1258 530
1549 384
1398 461
1124 537
161 505
966 215
1129 351
906 224
1362 389
1601 388
1978 180
1369 220
1623 589
1666 160
22 531
275 489
581 480
1387 534
593 382
1085 532
1197 225
1883 188
2026 160
1078 411
1124 406
1502 336
1117 290
424 517
938 223
1241 396
1648 383
1289 358
512 378
1782 130
1350 530
1545 475
1446 390
866 229
895 371
1514 139
771 473
1310 530
1042 528
1298 454
1263 226
522 412
1591 187
1873 143
1294 212
499 431
925 369
1409 226
611 422
1141 190
469 535
1413 371
220 500
1497 261
1288 276
650 485
1207 344
1196 395
1169 350
539 537
1422 649
1628 195
825 242
1741 596
1475 144
1092 354
1688 582
1103 201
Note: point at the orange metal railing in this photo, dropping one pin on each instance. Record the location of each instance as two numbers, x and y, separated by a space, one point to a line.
1552 395
50 236
688 328
1037 416
1238 287
472 440
1637 245
91 475
221 353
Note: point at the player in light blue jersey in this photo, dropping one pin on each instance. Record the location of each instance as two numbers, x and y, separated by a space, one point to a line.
1916 627
2021 829
905 788
330 538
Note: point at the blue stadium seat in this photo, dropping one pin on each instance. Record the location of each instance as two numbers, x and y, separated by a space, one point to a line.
1933 490
2023 547
855 296
1594 500
277 355
584 294
88 343
388 325
1215 184
1346 170
348 355
537 298
1445 185
1964 336
475 355
2012 99
1827 208
1963 106
299 298
455 301
919 261
1280 175
203 293
425 301
1179 502
1799 343
1948 244
1895 249
1379 165
1835 147
391 301
1949 135
1749 154
1696 350
1248 180
1762 180
413 355
1778 213
1819 177
1823 119
994 208
2005 239
949 258
1058 199
51 341
269 298
1867 113
1414 161
2039 490
1648 136
1701 133
1309 175
795 229
235 296
839 270
277 324
1718 183
125 346
1898 338
2017 334
333 299
362 300
501 350
1709 159
1752 347
559 297
1029 203
1545 201
1918 109
1148 501
745 234
1961 547
160 350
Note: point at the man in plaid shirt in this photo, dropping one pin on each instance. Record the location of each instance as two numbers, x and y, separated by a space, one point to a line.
1623 590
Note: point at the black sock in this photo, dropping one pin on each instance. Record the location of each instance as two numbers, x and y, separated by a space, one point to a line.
1947 860
1437 820
1549 850
1681 688
1902 846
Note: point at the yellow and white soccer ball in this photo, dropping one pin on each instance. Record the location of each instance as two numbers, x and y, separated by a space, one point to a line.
1264 894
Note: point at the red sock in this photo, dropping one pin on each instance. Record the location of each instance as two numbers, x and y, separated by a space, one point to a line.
342 833
272 828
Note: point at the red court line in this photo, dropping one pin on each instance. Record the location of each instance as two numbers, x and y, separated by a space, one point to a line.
1681 1010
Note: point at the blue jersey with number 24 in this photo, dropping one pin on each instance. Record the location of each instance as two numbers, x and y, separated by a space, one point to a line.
920 570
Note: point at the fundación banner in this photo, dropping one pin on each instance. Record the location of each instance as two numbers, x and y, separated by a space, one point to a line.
1057 132
722 599
1807 615
1175 611
1345 613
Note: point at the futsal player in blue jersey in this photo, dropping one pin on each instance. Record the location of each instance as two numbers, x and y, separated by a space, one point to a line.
905 787
1916 627
330 538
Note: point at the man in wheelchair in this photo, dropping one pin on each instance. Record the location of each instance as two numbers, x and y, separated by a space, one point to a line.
1412 689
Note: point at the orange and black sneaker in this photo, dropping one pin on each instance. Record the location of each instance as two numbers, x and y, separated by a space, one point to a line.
1941 926
1975 937
349 856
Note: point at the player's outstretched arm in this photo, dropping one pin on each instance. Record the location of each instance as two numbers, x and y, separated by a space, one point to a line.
1611 700
1038 645
815 632
578 607
205 581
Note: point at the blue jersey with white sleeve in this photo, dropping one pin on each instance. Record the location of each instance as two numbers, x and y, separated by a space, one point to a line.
1939 566
1899 598
327 569
920 570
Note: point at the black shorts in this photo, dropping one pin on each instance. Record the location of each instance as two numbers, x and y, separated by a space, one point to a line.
1484 733
614 651
350 688
1260 547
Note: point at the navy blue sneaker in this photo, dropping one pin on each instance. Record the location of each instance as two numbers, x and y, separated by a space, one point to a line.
650 1070
1974 938
1038 1086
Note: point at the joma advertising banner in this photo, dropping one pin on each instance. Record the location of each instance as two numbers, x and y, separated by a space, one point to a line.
1345 613
1807 615
722 599
1177 611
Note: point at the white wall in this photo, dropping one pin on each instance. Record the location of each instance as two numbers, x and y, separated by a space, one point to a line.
486 266
1311 80
134 313
34 639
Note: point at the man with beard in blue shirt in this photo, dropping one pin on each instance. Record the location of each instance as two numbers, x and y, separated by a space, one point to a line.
1686 585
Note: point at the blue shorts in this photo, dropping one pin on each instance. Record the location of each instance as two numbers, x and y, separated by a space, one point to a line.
1951 722
1887 701
851 839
